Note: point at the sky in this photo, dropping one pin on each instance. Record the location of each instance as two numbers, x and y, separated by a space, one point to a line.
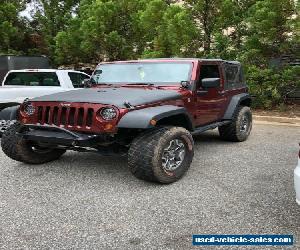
26 12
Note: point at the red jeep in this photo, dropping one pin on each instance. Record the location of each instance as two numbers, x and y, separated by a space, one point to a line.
148 109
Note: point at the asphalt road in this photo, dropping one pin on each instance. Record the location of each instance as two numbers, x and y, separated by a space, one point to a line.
84 201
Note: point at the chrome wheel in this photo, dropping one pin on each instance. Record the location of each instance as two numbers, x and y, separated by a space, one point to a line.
245 124
173 155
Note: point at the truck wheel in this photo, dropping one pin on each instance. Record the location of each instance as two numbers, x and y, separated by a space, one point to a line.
161 155
21 150
240 127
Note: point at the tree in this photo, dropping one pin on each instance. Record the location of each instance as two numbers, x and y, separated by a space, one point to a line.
271 34
178 32
104 30
67 45
269 30
128 29
51 17
231 28
169 30
11 27
205 14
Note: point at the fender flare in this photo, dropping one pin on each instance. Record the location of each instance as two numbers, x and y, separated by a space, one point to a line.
234 103
10 113
140 119
8 104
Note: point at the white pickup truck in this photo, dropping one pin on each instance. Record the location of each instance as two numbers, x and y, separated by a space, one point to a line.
19 85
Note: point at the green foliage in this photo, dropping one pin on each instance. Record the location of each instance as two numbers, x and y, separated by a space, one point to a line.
174 34
52 17
103 30
116 30
269 30
11 33
67 45
205 13
271 86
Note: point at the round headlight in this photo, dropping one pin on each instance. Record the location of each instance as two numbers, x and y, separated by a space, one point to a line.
108 113
29 109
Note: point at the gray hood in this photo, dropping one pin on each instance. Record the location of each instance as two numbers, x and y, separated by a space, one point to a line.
112 96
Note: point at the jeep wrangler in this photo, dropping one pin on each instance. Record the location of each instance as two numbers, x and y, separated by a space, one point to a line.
147 109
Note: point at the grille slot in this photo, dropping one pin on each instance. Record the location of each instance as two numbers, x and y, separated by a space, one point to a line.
47 116
66 116
63 117
55 116
40 114
72 116
89 118
80 117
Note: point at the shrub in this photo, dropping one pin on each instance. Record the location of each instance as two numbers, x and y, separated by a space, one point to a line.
270 87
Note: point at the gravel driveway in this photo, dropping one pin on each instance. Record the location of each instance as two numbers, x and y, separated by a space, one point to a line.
85 201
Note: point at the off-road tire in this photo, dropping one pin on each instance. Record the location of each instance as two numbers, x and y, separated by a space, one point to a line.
145 154
5 124
21 150
9 141
232 131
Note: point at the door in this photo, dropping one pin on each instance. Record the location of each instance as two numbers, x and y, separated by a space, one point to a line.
210 102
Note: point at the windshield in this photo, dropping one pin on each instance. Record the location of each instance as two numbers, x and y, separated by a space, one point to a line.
142 73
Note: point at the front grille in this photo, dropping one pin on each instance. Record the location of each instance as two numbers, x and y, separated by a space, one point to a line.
66 116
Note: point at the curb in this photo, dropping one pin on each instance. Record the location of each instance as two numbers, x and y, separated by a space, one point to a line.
277 119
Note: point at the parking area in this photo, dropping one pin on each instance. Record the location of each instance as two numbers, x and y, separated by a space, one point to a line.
85 201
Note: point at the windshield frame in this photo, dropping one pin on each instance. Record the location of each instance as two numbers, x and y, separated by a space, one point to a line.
142 83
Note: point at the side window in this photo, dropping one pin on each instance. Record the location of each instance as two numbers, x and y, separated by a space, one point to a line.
209 71
48 79
77 78
234 76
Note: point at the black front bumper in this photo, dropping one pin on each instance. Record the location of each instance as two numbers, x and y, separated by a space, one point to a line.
54 135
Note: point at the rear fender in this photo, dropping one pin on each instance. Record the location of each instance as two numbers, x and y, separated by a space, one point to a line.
235 102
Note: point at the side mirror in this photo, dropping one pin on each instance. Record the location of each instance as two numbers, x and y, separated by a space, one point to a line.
210 82
185 84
